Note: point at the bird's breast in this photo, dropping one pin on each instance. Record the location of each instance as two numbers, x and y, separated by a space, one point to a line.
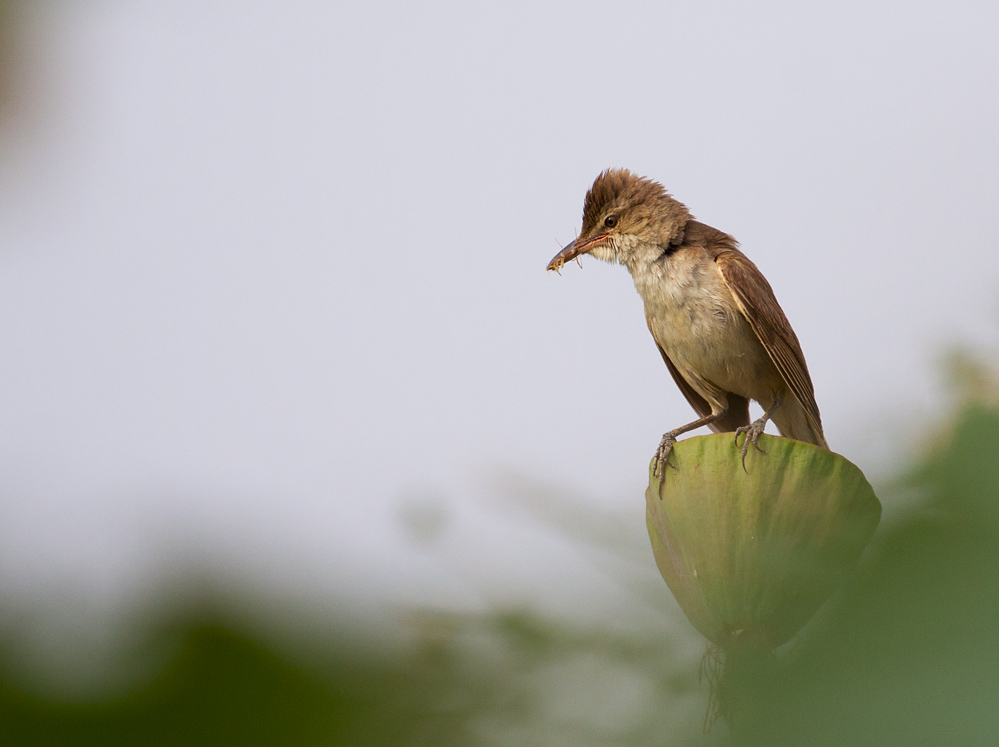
694 318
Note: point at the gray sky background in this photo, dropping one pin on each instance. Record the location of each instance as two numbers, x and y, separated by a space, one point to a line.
269 271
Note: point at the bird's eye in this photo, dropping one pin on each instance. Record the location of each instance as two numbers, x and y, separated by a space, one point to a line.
610 221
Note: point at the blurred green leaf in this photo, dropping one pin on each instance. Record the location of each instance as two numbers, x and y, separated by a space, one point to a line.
910 655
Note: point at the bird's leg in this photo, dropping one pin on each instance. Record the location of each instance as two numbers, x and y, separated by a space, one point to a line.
755 430
669 440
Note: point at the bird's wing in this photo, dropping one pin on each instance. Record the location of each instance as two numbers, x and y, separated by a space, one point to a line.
755 299
738 407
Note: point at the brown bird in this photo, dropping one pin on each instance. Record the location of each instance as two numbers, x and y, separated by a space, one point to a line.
713 315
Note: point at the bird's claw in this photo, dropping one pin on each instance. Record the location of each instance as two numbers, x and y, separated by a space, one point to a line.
662 454
752 433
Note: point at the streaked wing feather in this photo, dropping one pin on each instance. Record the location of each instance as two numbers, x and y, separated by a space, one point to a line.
758 304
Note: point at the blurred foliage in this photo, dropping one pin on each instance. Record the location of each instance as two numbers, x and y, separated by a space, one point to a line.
972 381
910 654
907 654
10 32
502 678
220 688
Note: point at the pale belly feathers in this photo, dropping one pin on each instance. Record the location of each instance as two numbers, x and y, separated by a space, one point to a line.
694 318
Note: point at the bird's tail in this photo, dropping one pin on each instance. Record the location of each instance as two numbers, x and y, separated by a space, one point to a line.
792 422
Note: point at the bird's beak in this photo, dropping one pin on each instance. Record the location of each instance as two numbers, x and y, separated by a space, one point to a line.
573 249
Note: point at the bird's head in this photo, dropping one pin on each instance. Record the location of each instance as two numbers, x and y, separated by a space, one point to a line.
626 219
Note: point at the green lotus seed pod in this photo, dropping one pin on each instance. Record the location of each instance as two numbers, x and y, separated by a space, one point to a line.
752 556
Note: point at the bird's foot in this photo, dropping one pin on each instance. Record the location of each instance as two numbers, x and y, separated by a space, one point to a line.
663 452
752 433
